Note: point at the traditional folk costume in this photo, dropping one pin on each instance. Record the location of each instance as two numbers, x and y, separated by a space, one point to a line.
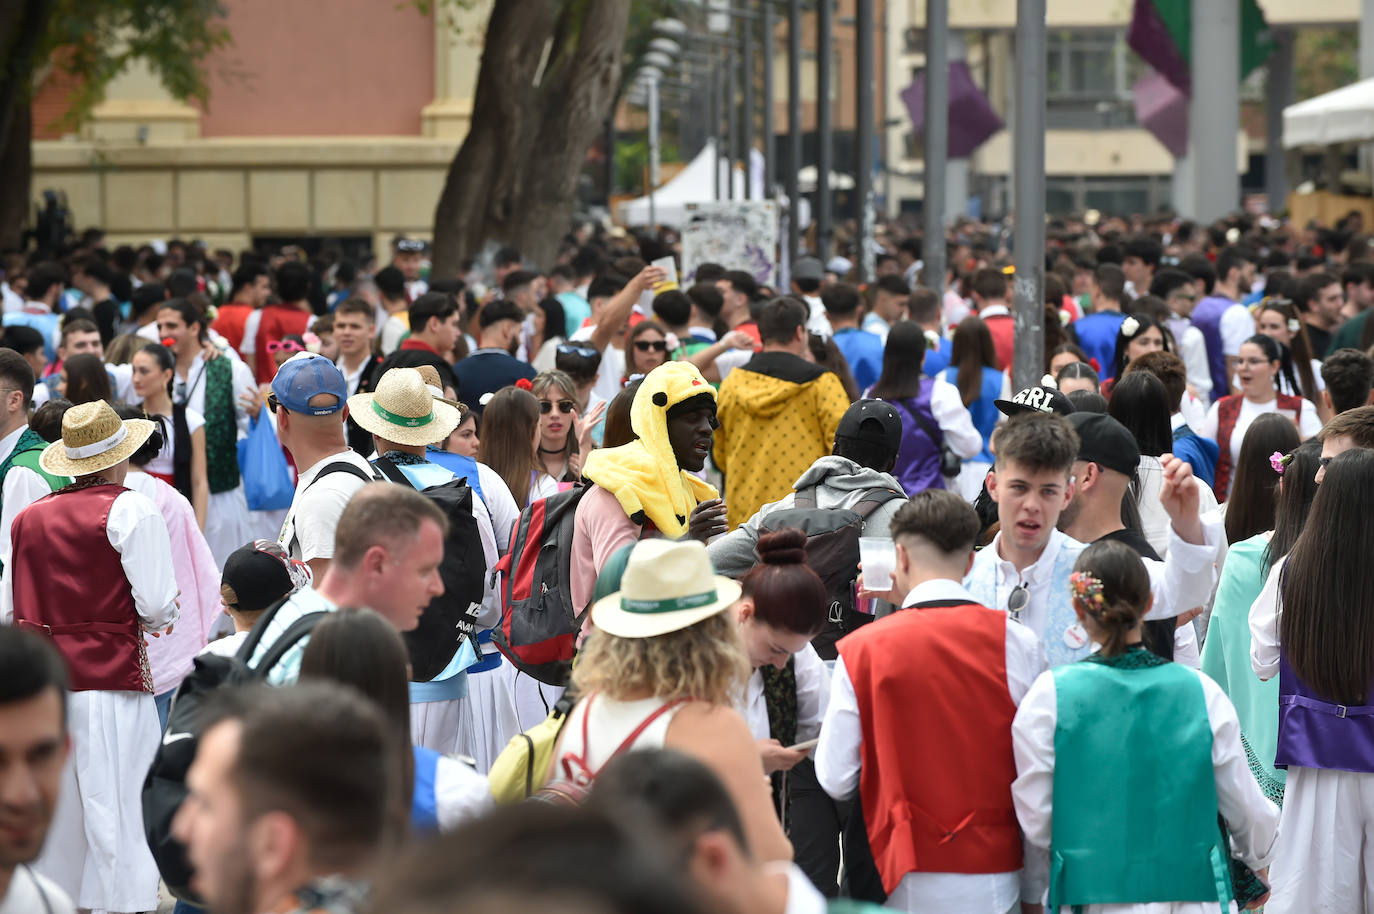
93 570
1123 765
22 481
939 812
1324 861
1180 582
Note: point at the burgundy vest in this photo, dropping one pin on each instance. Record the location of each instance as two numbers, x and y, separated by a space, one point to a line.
69 584
276 322
936 805
1227 415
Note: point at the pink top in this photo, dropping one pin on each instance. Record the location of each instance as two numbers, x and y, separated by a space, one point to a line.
197 578
599 529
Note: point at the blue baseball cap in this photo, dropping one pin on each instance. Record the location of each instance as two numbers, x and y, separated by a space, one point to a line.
306 375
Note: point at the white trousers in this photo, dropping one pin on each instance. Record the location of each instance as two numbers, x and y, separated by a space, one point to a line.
1324 859
96 850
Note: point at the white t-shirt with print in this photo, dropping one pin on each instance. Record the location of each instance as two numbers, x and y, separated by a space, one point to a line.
308 532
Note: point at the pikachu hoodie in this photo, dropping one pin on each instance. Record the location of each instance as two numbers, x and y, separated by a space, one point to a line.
778 414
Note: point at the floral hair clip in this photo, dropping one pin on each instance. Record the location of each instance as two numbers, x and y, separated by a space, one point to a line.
1293 325
312 342
1280 461
1088 591
524 384
1129 326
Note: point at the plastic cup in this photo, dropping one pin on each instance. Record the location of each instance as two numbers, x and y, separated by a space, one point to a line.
879 558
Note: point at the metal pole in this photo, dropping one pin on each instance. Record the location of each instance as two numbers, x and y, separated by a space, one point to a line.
1214 112
1279 90
731 116
769 166
1028 360
825 27
713 119
746 37
794 137
864 87
936 142
653 147
717 128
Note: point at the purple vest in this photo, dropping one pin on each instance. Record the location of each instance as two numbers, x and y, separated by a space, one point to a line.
1207 318
1316 733
918 461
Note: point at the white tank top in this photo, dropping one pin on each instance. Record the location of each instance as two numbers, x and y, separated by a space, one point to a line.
610 723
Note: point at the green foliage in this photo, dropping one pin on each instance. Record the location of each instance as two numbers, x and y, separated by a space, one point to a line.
1325 59
96 40
632 162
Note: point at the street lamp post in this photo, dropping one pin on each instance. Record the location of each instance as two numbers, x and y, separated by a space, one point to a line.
769 165
936 142
794 136
1028 354
825 26
863 173
746 37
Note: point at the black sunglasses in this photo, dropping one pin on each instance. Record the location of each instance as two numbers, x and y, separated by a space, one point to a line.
573 349
1017 600
564 406
651 345
273 403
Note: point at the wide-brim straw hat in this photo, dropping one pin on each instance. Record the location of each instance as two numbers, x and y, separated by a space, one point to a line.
436 385
404 410
94 438
667 586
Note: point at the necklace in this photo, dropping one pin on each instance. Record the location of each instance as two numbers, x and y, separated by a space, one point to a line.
544 450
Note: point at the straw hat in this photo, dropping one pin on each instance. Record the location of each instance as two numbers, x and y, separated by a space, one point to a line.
667 586
403 410
94 438
430 374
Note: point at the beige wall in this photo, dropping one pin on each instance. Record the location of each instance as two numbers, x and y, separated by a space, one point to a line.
227 191
1001 14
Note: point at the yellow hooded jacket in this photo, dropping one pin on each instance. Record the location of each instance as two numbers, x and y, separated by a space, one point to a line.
643 475
778 414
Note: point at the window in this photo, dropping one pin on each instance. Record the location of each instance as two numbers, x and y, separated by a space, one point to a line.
1090 64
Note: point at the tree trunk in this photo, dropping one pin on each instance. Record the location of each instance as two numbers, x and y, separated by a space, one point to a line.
22 25
16 170
515 178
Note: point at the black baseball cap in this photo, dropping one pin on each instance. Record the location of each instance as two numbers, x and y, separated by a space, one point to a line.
261 573
1039 399
885 429
1103 440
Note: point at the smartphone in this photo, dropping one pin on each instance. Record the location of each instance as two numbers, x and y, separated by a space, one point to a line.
805 746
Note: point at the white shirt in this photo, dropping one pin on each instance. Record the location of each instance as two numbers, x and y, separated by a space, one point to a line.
1237 326
241 380
612 371
308 531
802 895
1308 424
1264 625
249 343
355 377
813 694
1251 818
1180 582
505 513
950 413
31 893
460 793
136 531
22 488
1193 349
13 301
165 461
877 326
817 321
393 331
840 753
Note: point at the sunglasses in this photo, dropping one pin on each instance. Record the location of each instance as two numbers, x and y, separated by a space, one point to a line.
410 246
273 403
1017 601
564 406
651 345
572 349
276 346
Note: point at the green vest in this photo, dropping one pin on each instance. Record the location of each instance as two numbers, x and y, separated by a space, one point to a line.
1135 812
27 450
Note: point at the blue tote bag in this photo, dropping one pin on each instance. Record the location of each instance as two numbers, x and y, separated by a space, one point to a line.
266 476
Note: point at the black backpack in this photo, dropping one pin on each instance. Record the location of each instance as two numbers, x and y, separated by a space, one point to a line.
164 789
452 615
832 550
539 623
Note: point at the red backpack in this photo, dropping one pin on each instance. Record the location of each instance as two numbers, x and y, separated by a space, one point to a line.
577 779
539 623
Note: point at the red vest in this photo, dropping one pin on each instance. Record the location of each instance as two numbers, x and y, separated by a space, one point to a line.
1228 412
69 584
229 323
1002 327
277 321
936 716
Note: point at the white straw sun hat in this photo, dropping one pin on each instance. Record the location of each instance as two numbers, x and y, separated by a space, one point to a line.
667 586
94 438
404 409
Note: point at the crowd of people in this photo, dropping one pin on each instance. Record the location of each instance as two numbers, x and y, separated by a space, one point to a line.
348 587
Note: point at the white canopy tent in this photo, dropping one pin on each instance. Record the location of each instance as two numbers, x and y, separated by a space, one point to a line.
1345 115
691 185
